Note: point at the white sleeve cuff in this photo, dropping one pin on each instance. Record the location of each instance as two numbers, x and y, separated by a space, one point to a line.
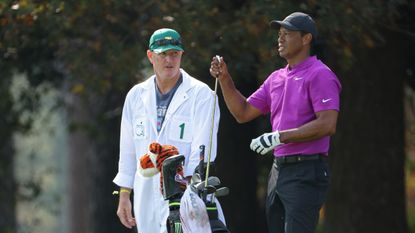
124 180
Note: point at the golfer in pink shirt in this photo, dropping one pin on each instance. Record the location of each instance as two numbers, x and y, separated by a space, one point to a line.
303 101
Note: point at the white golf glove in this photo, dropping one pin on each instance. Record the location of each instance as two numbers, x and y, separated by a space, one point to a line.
266 142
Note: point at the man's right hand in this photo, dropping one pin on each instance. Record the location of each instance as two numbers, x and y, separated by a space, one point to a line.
218 69
124 210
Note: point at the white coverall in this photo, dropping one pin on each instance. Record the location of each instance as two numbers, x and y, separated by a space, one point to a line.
187 125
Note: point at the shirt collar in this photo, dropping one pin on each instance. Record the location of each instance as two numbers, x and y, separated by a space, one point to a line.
302 65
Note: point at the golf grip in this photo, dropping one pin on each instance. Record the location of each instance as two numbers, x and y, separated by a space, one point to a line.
212 126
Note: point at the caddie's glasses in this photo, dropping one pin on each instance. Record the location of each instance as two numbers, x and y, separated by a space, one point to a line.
163 42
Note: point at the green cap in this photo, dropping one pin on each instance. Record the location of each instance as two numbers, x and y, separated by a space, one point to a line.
165 39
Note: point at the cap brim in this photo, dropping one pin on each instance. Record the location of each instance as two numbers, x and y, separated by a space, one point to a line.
276 24
167 47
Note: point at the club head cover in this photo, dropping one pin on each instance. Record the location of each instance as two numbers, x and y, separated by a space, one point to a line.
147 165
171 188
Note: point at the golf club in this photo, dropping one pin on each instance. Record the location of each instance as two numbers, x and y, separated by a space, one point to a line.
195 179
213 122
212 181
206 191
221 192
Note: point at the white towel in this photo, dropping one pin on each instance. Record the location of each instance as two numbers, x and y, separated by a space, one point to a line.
193 214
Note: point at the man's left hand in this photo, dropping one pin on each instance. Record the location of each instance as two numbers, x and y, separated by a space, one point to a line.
266 142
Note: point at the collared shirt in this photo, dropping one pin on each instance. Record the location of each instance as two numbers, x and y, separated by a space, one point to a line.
293 95
163 101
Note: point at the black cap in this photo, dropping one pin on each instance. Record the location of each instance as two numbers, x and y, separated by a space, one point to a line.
297 21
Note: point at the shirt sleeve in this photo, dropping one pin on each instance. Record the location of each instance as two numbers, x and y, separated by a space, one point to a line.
127 162
260 99
325 91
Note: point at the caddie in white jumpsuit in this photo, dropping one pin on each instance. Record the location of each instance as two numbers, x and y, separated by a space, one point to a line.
170 107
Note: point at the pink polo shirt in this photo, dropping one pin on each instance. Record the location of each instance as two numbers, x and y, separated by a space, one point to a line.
293 96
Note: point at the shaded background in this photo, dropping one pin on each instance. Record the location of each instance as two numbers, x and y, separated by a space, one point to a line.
66 66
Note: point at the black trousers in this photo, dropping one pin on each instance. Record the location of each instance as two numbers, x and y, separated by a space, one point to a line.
296 193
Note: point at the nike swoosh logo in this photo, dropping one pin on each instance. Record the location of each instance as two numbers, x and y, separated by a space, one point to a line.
325 100
296 78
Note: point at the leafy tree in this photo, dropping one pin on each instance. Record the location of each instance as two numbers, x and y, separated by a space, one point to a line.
94 51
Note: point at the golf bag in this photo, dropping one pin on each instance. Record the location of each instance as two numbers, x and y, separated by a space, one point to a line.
173 193
208 191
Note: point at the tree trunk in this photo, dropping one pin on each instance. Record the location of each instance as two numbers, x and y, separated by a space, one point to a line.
8 122
94 148
8 186
367 191
104 165
80 179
